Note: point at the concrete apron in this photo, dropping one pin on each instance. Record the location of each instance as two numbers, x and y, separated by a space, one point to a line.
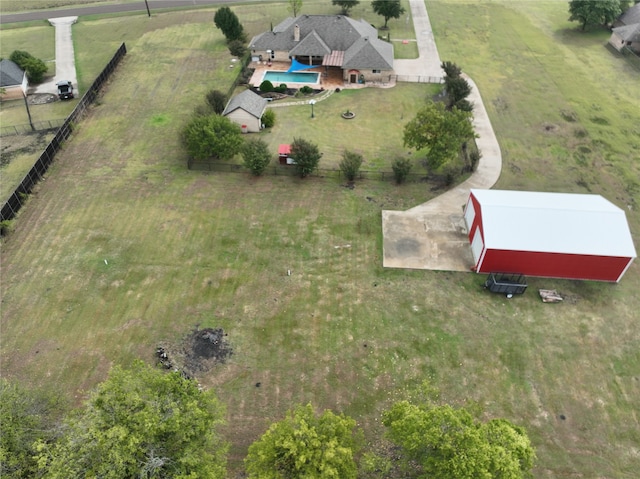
65 58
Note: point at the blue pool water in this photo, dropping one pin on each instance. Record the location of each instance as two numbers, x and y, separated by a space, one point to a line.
294 77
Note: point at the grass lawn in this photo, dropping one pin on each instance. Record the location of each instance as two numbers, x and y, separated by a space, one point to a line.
122 247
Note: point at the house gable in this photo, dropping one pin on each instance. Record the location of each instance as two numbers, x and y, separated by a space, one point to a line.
311 45
247 101
369 53
10 74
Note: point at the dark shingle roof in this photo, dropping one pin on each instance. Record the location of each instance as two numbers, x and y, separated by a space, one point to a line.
322 34
248 101
10 74
631 16
628 33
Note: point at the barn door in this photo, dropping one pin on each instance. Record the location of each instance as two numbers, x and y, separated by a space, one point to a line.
477 245
469 214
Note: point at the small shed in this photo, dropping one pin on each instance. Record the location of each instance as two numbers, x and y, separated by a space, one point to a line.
13 80
555 235
284 151
246 109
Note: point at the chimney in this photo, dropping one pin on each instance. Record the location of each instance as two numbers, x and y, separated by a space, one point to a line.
296 33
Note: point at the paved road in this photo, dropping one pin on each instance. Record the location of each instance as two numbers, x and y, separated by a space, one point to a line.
111 8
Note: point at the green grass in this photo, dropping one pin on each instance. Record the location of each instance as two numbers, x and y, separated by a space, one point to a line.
122 247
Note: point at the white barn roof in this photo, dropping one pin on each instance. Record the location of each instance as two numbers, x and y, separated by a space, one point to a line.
554 223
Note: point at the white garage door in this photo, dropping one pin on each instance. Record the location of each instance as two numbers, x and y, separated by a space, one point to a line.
469 214
477 245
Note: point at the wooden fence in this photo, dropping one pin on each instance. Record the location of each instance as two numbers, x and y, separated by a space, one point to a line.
17 199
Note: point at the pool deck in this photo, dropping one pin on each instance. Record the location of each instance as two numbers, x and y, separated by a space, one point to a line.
329 80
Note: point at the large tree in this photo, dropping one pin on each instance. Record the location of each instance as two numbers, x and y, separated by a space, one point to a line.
387 9
594 12
228 22
304 445
141 423
212 136
445 442
26 416
440 132
346 5
306 156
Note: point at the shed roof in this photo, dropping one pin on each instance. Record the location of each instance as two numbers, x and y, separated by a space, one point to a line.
628 33
248 101
10 73
554 223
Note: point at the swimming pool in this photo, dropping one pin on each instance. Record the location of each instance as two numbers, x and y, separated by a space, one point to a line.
277 78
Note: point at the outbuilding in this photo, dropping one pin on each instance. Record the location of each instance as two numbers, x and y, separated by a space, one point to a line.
246 109
13 80
555 235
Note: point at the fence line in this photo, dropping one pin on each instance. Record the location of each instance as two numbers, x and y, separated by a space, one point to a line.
282 170
26 128
17 199
416 79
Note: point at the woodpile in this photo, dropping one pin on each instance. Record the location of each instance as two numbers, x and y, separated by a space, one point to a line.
550 296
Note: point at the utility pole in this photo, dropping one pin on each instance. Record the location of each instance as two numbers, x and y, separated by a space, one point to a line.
146 3
26 104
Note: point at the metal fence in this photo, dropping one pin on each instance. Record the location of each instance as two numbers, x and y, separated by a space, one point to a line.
283 170
17 199
416 79
26 128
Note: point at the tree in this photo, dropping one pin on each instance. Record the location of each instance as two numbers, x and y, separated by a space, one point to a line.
346 5
350 164
294 7
306 445
440 132
387 9
269 118
34 67
237 48
228 22
217 100
458 89
594 12
26 416
306 156
401 168
212 136
141 422
256 156
446 442
451 70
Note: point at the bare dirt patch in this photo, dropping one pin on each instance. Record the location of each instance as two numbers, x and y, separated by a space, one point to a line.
198 352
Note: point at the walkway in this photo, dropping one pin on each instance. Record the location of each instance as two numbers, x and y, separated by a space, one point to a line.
65 58
433 235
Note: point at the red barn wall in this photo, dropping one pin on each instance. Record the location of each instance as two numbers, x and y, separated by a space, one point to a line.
477 220
554 265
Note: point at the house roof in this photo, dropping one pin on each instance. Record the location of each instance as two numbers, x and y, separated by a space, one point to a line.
322 34
630 16
10 74
554 223
249 102
628 33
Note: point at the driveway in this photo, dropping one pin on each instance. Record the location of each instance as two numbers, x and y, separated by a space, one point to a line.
65 58
433 235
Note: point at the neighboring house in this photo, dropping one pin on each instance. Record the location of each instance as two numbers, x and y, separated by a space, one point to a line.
13 80
332 41
554 235
626 30
246 109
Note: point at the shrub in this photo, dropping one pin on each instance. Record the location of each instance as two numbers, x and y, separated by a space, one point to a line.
401 168
237 48
282 88
256 156
269 118
217 100
34 67
306 155
350 164
306 90
266 86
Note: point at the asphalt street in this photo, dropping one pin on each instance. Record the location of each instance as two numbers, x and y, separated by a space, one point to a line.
105 9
